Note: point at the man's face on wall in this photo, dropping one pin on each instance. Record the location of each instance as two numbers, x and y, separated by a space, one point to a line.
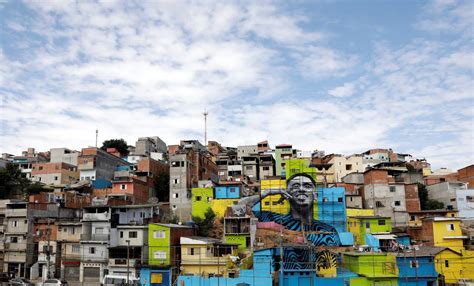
301 188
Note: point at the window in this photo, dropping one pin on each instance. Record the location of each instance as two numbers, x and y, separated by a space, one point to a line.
175 195
232 190
397 203
71 230
121 234
266 168
325 200
190 251
392 189
76 248
132 234
339 200
91 250
176 181
450 227
414 264
367 225
159 254
412 218
446 263
39 179
159 234
379 204
267 203
14 223
381 222
348 167
40 168
14 239
248 168
198 198
123 187
470 199
55 178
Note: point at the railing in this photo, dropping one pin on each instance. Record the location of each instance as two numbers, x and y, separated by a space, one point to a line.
96 216
95 237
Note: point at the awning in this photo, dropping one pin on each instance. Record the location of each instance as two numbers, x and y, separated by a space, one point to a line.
385 236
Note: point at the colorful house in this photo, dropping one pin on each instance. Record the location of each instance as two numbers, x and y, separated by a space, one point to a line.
331 207
283 152
372 268
452 265
299 166
228 191
359 226
205 256
163 253
443 232
417 267
201 199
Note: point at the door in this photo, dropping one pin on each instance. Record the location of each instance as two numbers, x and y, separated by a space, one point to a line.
91 274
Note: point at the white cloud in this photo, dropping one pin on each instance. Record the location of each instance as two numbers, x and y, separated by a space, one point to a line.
344 90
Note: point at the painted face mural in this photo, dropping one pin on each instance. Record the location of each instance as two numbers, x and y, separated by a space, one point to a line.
302 191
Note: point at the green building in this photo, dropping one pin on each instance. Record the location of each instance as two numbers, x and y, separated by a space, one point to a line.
163 243
372 268
298 166
201 201
359 226
283 152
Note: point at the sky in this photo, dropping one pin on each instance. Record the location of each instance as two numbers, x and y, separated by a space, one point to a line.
338 76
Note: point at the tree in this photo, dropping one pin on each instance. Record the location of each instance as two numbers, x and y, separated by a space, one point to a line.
162 187
14 186
204 225
425 202
119 144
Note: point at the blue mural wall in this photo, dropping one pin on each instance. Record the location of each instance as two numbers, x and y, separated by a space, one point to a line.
420 272
146 277
227 192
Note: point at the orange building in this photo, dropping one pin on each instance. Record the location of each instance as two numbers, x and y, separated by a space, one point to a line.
54 173
134 187
466 175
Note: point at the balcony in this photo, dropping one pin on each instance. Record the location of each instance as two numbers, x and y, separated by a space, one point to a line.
122 262
96 216
16 212
95 237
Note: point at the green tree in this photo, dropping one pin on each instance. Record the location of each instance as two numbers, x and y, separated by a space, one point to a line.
425 202
12 184
162 187
119 144
204 225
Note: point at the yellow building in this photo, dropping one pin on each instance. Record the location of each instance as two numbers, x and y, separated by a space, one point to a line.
416 218
443 232
220 206
359 212
453 265
271 203
205 256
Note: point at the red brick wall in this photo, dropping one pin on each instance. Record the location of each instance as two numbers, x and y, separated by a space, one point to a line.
376 177
411 197
466 174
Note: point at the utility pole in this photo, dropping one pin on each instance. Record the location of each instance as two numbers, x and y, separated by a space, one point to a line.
205 127
128 261
48 253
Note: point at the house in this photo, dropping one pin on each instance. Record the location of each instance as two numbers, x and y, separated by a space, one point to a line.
137 189
390 193
272 203
205 256
466 175
94 163
188 165
342 165
283 152
454 195
201 199
19 254
69 249
417 267
373 268
452 265
56 174
45 230
442 232
164 253
360 226
266 166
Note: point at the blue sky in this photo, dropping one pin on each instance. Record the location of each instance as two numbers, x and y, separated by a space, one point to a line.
339 76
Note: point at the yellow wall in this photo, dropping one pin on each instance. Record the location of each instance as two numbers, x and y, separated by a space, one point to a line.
270 203
459 266
219 206
202 261
440 231
419 222
359 212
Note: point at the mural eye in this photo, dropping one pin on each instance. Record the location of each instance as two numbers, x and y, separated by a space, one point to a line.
295 186
308 186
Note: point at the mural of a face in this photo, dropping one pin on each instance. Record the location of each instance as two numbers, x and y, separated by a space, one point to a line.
301 188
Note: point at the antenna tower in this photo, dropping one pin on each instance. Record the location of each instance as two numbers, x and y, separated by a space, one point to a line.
205 127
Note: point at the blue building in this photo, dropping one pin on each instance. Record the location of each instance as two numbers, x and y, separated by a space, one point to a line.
260 275
332 207
155 277
416 267
227 192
